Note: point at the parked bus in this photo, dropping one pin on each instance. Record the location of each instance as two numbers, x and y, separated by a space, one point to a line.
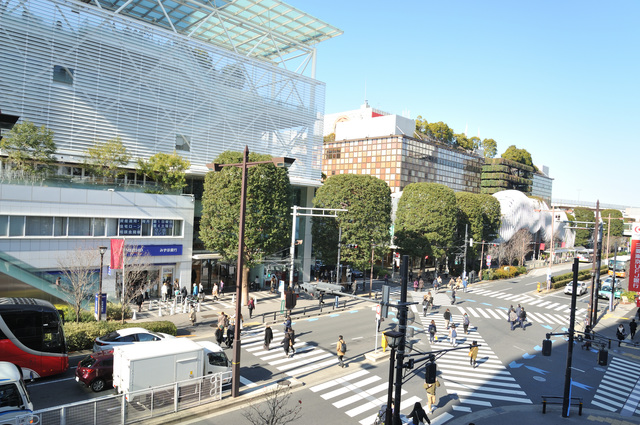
31 336
622 265
585 255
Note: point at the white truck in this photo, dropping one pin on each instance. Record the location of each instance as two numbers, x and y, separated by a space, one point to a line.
139 367
15 404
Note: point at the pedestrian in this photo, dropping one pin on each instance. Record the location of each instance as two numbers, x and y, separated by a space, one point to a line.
447 318
183 291
518 309
432 331
214 292
268 337
201 291
453 335
431 395
256 283
513 317
421 284
587 338
163 291
415 285
58 281
219 334
435 284
341 349
633 325
195 290
192 316
464 284
292 341
452 283
621 333
139 301
221 289
230 334
287 324
418 415
522 318
251 305
321 299
425 305
473 354
453 296
386 279
465 323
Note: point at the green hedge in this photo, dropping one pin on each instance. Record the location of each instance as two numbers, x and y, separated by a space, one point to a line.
80 336
114 312
506 272
561 281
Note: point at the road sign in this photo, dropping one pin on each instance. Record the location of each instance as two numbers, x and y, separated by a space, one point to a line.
488 261
378 310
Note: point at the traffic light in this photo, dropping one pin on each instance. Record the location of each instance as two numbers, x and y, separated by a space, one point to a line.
384 309
351 245
430 372
290 300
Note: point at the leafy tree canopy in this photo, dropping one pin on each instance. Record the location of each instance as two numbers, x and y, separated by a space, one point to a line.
518 155
462 141
584 236
490 148
475 142
438 130
167 170
368 219
617 225
107 159
268 208
425 219
30 149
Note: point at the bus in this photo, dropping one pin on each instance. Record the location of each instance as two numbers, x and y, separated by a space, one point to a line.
31 336
622 265
585 255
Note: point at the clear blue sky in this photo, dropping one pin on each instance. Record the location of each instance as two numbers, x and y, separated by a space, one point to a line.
557 78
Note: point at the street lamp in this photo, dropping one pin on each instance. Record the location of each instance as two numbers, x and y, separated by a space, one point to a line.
102 249
278 162
393 340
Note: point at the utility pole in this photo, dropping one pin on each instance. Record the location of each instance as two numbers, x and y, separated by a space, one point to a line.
481 261
338 271
464 260
595 270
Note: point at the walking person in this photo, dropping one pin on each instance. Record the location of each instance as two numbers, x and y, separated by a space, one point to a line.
432 331
192 316
286 343
221 289
418 415
513 317
587 338
431 395
230 334
453 296
164 291
341 349
251 305
453 335
633 325
415 285
465 323
621 333
473 354
447 318
425 305
464 284
522 318
292 341
214 292
421 284
139 301
435 284
268 337
287 324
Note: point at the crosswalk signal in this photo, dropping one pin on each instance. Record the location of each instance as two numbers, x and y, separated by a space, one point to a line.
430 371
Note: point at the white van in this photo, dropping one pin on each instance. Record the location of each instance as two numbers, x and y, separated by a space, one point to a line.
14 398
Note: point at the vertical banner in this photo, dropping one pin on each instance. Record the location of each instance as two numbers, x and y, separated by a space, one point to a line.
117 246
634 273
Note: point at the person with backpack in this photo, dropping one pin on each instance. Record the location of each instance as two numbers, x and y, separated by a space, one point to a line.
341 348
453 334
447 318
432 332
473 354
268 337
251 305
522 318
425 305
465 323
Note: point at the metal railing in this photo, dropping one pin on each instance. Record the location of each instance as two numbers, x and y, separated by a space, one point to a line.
135 406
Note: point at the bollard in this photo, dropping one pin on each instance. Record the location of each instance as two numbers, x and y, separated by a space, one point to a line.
184 307
198 307
544 406
233 299
172 311
135 317
159 311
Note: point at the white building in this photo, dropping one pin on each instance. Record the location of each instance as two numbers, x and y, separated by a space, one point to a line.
194 77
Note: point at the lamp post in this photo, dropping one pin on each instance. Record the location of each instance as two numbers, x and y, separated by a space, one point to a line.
278 162
102 249
393 340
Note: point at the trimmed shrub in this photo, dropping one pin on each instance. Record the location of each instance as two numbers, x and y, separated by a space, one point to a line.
80 336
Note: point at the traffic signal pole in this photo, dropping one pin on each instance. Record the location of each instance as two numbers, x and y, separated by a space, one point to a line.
402 327
566 400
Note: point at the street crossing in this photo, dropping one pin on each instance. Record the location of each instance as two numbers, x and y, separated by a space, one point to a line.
619 390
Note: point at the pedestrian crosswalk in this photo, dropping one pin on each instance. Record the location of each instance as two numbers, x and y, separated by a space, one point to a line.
307 357
483 386
619 390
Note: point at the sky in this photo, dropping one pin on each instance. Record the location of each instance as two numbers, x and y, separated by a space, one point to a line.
557 78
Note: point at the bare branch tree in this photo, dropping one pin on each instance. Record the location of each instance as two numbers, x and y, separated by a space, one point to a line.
78 268
497 251
275 409
136 264
519 245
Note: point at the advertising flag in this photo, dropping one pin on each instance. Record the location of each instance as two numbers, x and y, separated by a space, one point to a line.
117 246
634 266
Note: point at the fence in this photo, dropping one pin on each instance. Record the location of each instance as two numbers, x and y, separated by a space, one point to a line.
134 407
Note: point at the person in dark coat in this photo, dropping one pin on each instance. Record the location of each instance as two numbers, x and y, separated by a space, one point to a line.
633 325
418 414
286 343
139 301
230 335
219 335
268 337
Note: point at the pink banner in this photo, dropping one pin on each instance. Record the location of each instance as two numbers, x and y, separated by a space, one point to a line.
634 273
117 246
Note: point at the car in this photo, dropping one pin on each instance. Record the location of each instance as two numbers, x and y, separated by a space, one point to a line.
356 274
96 370
605 289
582 288
127 336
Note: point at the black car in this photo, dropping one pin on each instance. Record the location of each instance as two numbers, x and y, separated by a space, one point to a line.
356 274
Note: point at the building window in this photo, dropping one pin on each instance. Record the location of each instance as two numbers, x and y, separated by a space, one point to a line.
39 226
183 143
60 226
177 228
98 227
62 74
129 227
79 226
112 227
162 227
16 225
4 225
332 154
146 227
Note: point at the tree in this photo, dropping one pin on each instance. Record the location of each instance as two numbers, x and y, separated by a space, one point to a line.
438 131
490 148
107 160
482 214
497 252
275 410
584 237
367 221
425 219
491 217
136 264
167 170
462 141
617 225
518 155
475 142
267 217
30 149
77 268
519 246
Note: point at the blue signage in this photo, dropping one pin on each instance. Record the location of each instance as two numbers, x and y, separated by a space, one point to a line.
154 250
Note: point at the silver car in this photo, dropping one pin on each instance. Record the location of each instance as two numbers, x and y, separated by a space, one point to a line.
582 288
127 336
